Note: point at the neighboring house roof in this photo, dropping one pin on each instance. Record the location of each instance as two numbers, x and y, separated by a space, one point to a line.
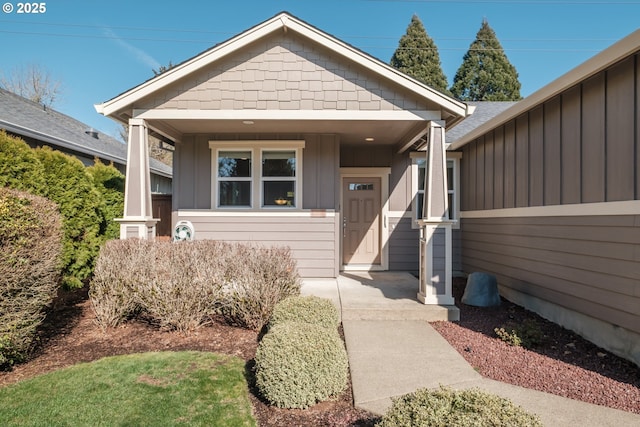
620 50
484 111
21 116
121 106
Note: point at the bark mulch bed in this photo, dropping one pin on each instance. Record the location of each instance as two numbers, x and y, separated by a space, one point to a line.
563 363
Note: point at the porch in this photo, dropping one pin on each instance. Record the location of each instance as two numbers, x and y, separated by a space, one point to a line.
388 295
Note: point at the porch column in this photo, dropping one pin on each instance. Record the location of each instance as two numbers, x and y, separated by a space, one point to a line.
138 218
435 240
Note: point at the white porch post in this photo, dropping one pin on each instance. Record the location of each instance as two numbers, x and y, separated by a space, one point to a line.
435 241
138 218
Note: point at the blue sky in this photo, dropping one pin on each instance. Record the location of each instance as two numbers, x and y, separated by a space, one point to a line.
99 49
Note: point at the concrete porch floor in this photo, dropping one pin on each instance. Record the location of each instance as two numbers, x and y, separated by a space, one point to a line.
389 295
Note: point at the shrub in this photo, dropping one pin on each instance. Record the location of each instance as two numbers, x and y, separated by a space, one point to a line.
69 185
256 280
19 167
528 334
120 265
308 309
110 184
446 407
30 242
178 285
298 365
185 287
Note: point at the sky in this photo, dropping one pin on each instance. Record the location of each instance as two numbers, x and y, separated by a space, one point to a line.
99 49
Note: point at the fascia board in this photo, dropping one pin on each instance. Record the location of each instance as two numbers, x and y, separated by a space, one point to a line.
384 70
110 107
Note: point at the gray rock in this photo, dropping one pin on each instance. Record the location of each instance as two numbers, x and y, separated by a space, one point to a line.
481 290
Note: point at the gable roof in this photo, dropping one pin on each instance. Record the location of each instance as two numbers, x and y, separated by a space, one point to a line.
117 107
618 51
21 116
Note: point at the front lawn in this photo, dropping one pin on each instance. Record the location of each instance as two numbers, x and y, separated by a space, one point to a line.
153 389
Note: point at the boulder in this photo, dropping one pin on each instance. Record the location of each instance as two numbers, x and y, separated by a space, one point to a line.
481 290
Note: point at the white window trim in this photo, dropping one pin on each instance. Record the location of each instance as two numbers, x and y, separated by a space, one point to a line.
256 148
452 156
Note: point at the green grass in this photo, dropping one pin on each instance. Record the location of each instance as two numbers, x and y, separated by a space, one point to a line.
150 389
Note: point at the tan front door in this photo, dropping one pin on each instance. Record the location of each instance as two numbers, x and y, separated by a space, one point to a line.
361 221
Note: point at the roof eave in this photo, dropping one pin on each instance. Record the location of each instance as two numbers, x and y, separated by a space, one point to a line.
597 63
284 22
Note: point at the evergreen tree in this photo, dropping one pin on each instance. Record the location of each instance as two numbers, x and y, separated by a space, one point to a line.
417 56
486 74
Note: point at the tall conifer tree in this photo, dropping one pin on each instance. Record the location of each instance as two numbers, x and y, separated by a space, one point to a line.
486 74
417 56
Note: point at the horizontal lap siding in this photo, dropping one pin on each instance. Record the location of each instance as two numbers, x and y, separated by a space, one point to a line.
587 264
311 240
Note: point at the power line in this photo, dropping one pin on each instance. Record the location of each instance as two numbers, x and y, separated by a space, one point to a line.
225 33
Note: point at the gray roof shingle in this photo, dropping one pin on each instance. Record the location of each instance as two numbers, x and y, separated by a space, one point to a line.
21 116
485 111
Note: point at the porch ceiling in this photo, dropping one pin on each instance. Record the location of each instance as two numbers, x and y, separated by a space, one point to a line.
394 132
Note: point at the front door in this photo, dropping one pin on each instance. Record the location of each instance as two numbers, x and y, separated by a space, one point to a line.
361 221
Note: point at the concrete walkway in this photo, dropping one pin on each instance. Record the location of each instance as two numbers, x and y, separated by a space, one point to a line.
393 350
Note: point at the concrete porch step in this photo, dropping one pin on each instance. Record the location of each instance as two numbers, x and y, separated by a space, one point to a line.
385 295
426 313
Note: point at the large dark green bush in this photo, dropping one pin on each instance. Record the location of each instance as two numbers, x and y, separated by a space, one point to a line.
300 364
86 212
307 309
19 166
181 285
30 243
110 184
71 187
447 407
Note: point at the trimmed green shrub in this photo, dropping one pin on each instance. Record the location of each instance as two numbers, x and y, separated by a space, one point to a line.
19 166
299 364
447 407
71 187
110 184
307 309
257 279
30 244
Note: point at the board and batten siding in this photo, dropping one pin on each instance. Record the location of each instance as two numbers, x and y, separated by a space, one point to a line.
580 146
404 245
577 154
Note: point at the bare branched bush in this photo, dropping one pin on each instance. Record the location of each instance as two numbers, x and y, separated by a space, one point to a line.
30 252
186 287
122 264
182 285
258 279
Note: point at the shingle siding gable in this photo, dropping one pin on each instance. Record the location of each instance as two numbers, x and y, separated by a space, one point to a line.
282 73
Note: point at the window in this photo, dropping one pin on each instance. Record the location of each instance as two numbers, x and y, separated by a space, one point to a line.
234 178
419 172
256 174
279 178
